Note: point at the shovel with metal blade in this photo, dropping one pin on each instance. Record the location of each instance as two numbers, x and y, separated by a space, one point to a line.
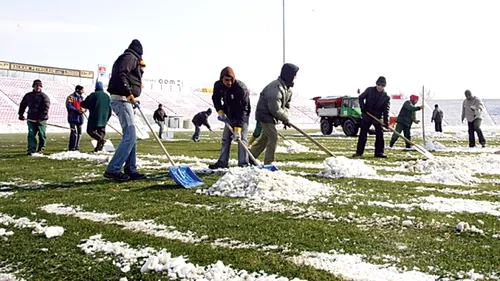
182 175
271 167
418 148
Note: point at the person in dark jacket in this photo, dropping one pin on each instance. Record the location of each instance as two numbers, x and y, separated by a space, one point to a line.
373 100
38 104
232 103
75 117
125 86
406 117
159 117
273 107
437 118
201 118
99 107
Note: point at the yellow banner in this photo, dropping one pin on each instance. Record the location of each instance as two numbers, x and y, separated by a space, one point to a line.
46 69
4 65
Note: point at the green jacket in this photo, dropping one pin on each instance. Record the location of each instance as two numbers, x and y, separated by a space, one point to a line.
407 114
274 103
100 110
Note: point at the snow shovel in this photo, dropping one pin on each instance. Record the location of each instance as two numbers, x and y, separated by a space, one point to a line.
418 148
182 175
312 140
271 168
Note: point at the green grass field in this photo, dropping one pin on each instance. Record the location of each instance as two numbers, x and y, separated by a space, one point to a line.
343 224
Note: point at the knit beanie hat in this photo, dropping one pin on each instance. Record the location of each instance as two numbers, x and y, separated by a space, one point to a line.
78 88
414 98
98 86
37 82
136 46
227 71
381 81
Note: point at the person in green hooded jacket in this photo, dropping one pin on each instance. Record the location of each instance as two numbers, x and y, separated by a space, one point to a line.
406 118
100 111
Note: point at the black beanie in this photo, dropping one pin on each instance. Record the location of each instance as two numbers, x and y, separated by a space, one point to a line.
136 46
468 92
37 82
78 87
381 81
209 111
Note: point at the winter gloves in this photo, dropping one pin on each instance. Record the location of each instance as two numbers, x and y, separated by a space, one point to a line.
222 116
22 118
250 141
237 133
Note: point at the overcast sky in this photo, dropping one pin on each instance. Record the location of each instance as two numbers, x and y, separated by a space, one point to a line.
340 46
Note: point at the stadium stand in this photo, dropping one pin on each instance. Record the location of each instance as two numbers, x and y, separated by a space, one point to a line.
184 105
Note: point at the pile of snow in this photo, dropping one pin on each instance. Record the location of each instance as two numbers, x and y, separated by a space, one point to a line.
433 145
352 267
38 227
446 205
342 167
292 147
261 184
175 267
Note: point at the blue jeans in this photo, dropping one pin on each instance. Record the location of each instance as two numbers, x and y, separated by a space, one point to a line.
227 138
125 153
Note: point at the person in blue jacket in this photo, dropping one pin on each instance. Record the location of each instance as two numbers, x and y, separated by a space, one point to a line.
75 117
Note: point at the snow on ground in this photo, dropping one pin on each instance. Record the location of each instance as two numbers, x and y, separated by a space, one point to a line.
352 267
9 277
455 170
4 232
342 167
261 184
94 157
174 267
446 205
6 193
148 226
38 227
292 147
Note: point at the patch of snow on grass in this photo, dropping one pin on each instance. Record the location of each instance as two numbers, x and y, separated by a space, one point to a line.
261 184
6 193
175 267
352 267
60 209
38 227
292 147
446 205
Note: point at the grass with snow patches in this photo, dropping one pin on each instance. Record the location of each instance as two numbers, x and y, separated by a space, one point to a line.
344 222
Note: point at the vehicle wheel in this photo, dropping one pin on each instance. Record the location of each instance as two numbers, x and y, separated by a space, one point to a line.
326 127
350 128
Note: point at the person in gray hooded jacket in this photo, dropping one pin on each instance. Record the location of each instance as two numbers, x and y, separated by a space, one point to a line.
273 107
472 110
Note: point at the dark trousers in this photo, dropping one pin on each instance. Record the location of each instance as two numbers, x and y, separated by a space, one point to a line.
437 126
98 134
475 127
74 136
363 136
196 135
35 129
406 132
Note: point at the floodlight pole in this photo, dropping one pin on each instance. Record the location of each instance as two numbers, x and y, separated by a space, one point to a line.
423 115
283 31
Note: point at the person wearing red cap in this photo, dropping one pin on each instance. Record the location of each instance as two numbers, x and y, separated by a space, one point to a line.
232 103
406 118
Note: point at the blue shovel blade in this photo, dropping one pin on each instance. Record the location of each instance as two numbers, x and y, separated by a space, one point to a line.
271 168
185 177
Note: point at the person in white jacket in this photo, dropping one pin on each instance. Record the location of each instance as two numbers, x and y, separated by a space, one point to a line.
472 110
